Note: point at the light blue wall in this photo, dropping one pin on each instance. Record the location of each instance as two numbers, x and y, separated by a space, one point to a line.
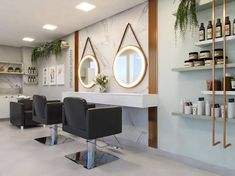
188 137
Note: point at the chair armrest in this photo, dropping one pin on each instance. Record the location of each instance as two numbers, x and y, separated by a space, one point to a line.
102 122
54 112
17 113
53 101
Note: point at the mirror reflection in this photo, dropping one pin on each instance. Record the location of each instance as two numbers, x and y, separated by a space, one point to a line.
129 66
88 70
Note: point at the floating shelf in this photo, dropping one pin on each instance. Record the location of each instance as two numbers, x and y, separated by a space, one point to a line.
229 93
11 63
11 73
33 83
30 74
218 40
187 69
206 4
198 117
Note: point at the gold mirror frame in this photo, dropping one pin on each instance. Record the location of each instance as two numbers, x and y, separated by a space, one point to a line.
143 69
96 72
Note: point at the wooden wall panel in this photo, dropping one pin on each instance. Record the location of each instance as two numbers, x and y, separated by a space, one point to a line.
76 60
153 71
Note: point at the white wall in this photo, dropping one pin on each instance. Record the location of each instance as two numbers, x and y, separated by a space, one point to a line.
106 36
178 135
66 58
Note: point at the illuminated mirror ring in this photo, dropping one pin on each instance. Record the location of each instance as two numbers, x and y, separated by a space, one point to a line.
129 66
88 70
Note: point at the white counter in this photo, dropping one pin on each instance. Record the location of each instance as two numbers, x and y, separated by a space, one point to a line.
118 99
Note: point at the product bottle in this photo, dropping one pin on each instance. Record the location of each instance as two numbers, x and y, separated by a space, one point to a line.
182 106
234 27
202 32
29 70
227 26
230 108
218 33
201 106
209 30
208 108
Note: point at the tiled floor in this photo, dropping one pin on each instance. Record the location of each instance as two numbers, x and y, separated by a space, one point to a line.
20 155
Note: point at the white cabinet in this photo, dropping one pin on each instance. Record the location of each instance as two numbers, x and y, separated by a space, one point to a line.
5 105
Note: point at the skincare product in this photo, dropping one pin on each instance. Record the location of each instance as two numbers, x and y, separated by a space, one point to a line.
230 108
209 30
227 26
189 63
199 62
208 61
205 54
194 109
233 83
201 106
188 108
234 27
217 110
220 59
208 108
218 33
219 52
182 102
193 55
223 108
202 32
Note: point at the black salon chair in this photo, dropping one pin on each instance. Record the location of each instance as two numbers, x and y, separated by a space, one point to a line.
21 114
49 113
91 124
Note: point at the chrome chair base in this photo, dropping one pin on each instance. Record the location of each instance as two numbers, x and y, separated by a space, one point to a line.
50 141
101 158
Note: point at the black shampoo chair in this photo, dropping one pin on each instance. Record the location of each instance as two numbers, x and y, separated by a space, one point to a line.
91 124
49 113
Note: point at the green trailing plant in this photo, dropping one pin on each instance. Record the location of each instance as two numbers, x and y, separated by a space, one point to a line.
186 16
46 50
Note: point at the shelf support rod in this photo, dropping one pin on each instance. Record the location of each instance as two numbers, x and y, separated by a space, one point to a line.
214 142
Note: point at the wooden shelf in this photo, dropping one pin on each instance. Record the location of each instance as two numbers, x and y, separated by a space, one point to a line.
218 40
11 63
187 69
198 117
206 4
229 93
11 73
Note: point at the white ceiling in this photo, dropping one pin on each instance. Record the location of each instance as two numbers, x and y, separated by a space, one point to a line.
25 18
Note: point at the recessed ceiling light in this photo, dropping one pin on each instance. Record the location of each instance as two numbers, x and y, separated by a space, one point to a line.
84 6
49 27
28 39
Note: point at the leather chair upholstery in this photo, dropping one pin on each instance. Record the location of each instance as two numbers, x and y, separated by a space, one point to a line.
21 113
46 112
90 123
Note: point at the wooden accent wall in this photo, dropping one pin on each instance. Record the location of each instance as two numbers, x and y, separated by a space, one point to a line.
153 71
76 60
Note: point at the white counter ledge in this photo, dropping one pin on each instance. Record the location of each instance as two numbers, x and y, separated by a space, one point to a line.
134 100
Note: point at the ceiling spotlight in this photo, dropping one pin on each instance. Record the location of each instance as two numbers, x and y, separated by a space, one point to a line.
84 6
49 27
28 39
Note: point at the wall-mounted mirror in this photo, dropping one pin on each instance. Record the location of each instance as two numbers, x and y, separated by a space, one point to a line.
129 66
88 70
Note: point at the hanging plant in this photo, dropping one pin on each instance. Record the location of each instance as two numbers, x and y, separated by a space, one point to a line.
186 16
45 50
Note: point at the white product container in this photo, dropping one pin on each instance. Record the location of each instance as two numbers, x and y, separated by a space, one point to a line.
222 110
208 108
194 109
217 111
182 104
201 106
230 108
188 108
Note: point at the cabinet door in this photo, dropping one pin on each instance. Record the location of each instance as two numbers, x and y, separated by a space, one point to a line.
4 106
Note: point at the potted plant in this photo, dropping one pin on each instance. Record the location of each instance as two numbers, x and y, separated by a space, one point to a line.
101 81
186 16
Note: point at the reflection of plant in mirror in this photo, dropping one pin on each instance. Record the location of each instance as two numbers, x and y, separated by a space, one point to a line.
102 81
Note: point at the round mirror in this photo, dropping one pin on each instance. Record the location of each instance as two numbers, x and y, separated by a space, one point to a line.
129 66
88 70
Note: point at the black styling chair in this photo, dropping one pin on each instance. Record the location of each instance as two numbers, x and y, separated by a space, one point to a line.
91 124
49 113
21 114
